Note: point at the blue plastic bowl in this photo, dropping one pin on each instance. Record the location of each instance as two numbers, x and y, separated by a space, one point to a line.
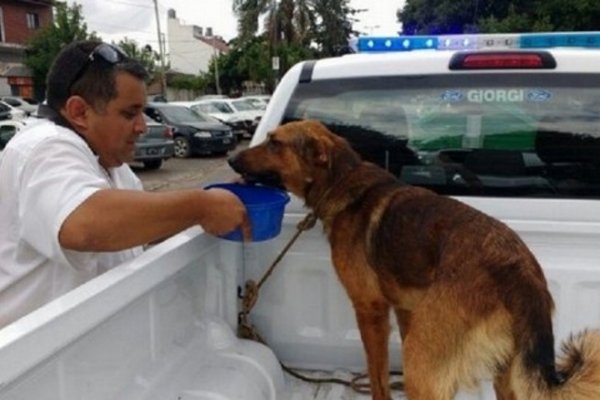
264 206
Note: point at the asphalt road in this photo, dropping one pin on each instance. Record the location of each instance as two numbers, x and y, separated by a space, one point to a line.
196 171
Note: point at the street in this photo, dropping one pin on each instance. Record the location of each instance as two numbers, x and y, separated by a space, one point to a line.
196 171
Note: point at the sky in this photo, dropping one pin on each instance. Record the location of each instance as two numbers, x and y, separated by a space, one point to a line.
113 20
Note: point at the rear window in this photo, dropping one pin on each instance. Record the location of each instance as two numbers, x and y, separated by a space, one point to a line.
518 135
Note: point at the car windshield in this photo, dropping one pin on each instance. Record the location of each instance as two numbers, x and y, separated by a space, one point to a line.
534 135
205 108
243 105
181 114
258 104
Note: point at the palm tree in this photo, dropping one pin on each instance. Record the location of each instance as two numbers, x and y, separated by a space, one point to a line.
288 21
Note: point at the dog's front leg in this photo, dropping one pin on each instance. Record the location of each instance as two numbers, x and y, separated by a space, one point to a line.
374 324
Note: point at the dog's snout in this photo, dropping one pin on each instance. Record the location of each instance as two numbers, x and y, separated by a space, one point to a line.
234 162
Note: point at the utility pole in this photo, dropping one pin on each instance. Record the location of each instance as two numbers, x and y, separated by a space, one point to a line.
161 49
216 54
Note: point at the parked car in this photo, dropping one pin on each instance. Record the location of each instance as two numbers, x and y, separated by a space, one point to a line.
13 112
156 98
29 106
193 133
260 101
9 112
240 114
210 96
241 125
9 128
155 145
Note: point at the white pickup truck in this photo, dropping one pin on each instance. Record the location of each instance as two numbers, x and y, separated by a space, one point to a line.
512 129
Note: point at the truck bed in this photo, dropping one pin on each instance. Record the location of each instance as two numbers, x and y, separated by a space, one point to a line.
162 326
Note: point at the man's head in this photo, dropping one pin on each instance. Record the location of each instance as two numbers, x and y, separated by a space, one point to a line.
101 92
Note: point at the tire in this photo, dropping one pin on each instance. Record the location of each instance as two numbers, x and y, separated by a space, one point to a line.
182 147
152 164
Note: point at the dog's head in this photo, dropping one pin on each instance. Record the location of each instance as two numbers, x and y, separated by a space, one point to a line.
298 156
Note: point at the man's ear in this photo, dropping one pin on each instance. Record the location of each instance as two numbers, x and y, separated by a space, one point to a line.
76 111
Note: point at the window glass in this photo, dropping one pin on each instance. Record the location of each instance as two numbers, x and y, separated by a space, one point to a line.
243 105
12 101
533 135
33 21
223 107
181 114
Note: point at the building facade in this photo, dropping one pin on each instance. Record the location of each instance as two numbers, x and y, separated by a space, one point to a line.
191 47
20 20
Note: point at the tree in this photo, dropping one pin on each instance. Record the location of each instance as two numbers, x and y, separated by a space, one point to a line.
145 55
460 16
440 16
296 29
68 26
333 26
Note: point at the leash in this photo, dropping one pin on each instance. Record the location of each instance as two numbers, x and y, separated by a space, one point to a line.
247 330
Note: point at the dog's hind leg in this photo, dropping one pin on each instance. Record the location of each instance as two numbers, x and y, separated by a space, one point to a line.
429 347
424 374
374 324
403 318
502 386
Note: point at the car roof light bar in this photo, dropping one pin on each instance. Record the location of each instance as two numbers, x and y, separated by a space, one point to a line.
479 41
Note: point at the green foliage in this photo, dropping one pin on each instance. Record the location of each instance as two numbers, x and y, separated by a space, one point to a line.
149 58
198 83
294 30
68 26
333 26
459 16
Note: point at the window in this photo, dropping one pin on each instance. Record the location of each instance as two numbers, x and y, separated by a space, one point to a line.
521 135
223 107
33 21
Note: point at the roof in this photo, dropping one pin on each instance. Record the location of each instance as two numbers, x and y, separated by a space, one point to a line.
18 70
215 42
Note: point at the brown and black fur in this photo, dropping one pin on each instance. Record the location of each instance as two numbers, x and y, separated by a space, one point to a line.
470 298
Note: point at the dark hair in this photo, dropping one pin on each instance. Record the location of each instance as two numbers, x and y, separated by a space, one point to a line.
73 72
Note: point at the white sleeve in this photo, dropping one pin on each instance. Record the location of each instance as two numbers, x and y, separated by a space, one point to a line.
58 177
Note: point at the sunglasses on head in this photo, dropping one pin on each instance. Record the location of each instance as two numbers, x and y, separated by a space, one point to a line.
104 51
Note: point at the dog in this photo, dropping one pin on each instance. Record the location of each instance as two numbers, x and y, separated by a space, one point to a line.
470 298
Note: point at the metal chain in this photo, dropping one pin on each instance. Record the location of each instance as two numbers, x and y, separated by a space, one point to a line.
247 330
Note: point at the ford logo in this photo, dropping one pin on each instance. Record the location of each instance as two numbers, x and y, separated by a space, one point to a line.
539 95
452 96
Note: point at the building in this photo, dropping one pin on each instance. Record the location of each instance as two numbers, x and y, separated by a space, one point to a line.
20 20
191 47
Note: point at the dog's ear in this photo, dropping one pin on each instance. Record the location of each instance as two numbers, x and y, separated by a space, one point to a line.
312 150
321 153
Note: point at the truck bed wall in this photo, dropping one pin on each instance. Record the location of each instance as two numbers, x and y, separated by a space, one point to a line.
163 325
159 327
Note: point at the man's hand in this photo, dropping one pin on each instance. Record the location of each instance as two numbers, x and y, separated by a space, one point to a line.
224 213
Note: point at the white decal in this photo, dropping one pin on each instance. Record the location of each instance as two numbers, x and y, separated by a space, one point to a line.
495 95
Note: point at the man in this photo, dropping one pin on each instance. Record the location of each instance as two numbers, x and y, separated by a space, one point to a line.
70 206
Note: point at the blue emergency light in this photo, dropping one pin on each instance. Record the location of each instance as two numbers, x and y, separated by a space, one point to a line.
479 41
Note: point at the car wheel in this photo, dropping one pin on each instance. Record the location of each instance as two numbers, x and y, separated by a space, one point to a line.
152 164
182 147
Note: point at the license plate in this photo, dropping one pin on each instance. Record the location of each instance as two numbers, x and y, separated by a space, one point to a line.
226 141
152 151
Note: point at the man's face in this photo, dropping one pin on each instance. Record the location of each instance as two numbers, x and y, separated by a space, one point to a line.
112 131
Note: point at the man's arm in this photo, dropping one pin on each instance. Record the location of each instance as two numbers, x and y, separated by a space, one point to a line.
112 220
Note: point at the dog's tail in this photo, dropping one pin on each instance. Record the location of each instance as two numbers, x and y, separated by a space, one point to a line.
576 375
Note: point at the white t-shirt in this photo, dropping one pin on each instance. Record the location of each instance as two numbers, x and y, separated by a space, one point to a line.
46 171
